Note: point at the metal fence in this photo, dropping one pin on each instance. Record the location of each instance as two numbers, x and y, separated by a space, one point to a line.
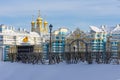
68 57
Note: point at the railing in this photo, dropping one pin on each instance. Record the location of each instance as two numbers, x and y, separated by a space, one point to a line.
68 57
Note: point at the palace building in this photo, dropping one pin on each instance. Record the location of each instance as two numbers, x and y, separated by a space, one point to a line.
16 41
105 39
98 38
57 43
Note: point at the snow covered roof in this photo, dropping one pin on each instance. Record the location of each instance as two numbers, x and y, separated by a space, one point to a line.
35 34
17 33
116 29
63 30
95 29
56 32
8 32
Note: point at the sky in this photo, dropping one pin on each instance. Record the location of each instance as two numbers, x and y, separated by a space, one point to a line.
61 13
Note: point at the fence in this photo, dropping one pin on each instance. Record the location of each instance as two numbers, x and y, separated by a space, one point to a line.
68 57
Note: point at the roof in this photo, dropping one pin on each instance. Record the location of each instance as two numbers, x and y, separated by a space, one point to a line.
95 29
116 29
35 34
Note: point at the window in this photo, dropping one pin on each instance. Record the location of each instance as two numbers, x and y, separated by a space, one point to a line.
114 48
98 35
57 37
63 38
92 35
98 40
103 35
0 29
111 42
1 37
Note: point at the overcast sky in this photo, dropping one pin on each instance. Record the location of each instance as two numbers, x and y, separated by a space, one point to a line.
61 13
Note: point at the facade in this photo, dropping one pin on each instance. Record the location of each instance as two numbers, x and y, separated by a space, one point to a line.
115 40
105 39
10 39
98 38
16 41
75 41
58 41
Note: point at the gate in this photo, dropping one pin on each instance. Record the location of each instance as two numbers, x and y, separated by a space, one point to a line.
78 51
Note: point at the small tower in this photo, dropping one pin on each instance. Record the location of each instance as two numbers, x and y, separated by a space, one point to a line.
32 24
39 23
45 27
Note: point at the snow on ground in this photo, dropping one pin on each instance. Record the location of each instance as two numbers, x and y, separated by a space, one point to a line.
62 71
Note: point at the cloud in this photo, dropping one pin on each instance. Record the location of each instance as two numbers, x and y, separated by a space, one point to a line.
60 12
45 6
58 7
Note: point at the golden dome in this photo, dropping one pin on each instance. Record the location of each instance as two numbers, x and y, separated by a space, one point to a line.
45 22
39 22
39 19
33 22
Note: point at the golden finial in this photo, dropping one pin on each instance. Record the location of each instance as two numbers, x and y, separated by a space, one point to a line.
39 18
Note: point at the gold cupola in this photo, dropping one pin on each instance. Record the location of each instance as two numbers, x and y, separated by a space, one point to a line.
39 18
45 27
39 23
33 23
45 23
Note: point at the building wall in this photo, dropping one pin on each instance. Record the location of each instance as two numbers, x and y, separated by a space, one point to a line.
115 43
108 41
58 41
98 41
10 38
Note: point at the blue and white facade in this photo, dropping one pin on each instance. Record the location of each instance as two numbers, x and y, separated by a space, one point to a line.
98 38
115 40
58 41
103 36
58 38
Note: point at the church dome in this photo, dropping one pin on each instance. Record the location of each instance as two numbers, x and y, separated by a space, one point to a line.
33 22
39 19
45 22
39 22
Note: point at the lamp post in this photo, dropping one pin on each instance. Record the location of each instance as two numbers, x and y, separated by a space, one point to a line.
50 56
